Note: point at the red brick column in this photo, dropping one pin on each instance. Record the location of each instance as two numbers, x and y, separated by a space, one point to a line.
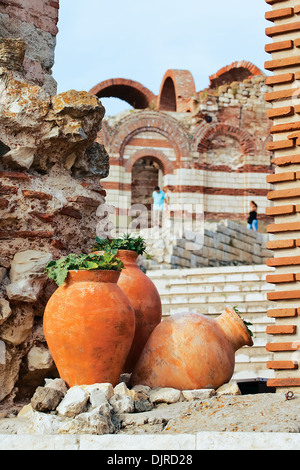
284 336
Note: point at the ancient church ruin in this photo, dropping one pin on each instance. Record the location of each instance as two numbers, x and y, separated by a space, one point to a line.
206 147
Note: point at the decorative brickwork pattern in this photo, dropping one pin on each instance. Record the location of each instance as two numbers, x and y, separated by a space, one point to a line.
283 338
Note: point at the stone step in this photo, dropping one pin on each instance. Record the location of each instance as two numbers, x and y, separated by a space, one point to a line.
214 271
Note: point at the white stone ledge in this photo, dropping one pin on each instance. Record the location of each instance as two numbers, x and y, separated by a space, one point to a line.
199 441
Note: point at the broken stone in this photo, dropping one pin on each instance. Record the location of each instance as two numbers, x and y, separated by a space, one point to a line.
26 411
143 391
12 53
26 290
142 405
28 262
165 395
97 398
39 358
122 403
20 157
122 389
106 388
3 272
74 402
27 275
58 384
199 394
46 399
17 328
5 310
231 388
9 369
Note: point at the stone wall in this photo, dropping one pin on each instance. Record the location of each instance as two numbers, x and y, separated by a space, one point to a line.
50 172
221 244
36 23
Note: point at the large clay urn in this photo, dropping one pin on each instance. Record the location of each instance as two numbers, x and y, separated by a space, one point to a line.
191 351
89 326
145 301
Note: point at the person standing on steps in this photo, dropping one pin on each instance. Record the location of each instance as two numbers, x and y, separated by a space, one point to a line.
252 222
158 205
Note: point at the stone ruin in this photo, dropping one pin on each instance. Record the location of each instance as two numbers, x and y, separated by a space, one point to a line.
50 186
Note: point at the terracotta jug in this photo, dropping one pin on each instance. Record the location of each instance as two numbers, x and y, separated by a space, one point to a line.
191 351
145 301
89 326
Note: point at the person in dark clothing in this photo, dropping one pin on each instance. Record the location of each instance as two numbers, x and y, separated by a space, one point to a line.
252 222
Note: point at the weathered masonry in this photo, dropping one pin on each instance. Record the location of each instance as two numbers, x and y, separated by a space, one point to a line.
208 148
283 46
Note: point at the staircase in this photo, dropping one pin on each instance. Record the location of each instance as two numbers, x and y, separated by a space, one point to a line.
209 290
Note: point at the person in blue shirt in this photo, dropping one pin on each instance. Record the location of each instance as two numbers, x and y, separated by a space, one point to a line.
252 222
158 205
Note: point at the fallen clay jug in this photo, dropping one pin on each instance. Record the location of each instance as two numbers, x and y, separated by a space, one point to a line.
190 351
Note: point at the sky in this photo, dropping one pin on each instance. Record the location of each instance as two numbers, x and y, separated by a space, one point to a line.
140 40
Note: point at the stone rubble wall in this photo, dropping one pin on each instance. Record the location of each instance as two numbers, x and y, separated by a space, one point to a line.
36 23
249 94
50 190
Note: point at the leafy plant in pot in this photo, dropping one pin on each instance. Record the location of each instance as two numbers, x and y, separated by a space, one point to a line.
139 289
89 323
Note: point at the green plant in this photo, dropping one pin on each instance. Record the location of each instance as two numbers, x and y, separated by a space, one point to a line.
58 269
247 323
125 242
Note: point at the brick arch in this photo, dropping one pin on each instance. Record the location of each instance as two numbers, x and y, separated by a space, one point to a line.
206 133
134 93
237 71
150 121
176 89
159 157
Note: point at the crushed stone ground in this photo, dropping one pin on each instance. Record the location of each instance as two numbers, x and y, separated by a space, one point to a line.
243 413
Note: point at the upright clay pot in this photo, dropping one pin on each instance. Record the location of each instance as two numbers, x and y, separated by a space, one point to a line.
145 301
189 351
89 326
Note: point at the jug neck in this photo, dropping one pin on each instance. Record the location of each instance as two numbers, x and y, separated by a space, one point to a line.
94 275
234 328
128 257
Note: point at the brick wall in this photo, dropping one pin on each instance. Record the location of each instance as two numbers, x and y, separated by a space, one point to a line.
283 41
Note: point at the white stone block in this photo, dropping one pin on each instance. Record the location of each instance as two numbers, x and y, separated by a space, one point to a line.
74 402
165 395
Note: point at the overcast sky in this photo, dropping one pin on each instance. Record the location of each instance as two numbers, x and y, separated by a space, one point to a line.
141 40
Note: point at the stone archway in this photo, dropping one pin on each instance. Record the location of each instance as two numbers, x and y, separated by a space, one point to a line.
146 174
134 93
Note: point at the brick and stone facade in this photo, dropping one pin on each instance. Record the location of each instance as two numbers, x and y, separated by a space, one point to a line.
283 37
209 148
